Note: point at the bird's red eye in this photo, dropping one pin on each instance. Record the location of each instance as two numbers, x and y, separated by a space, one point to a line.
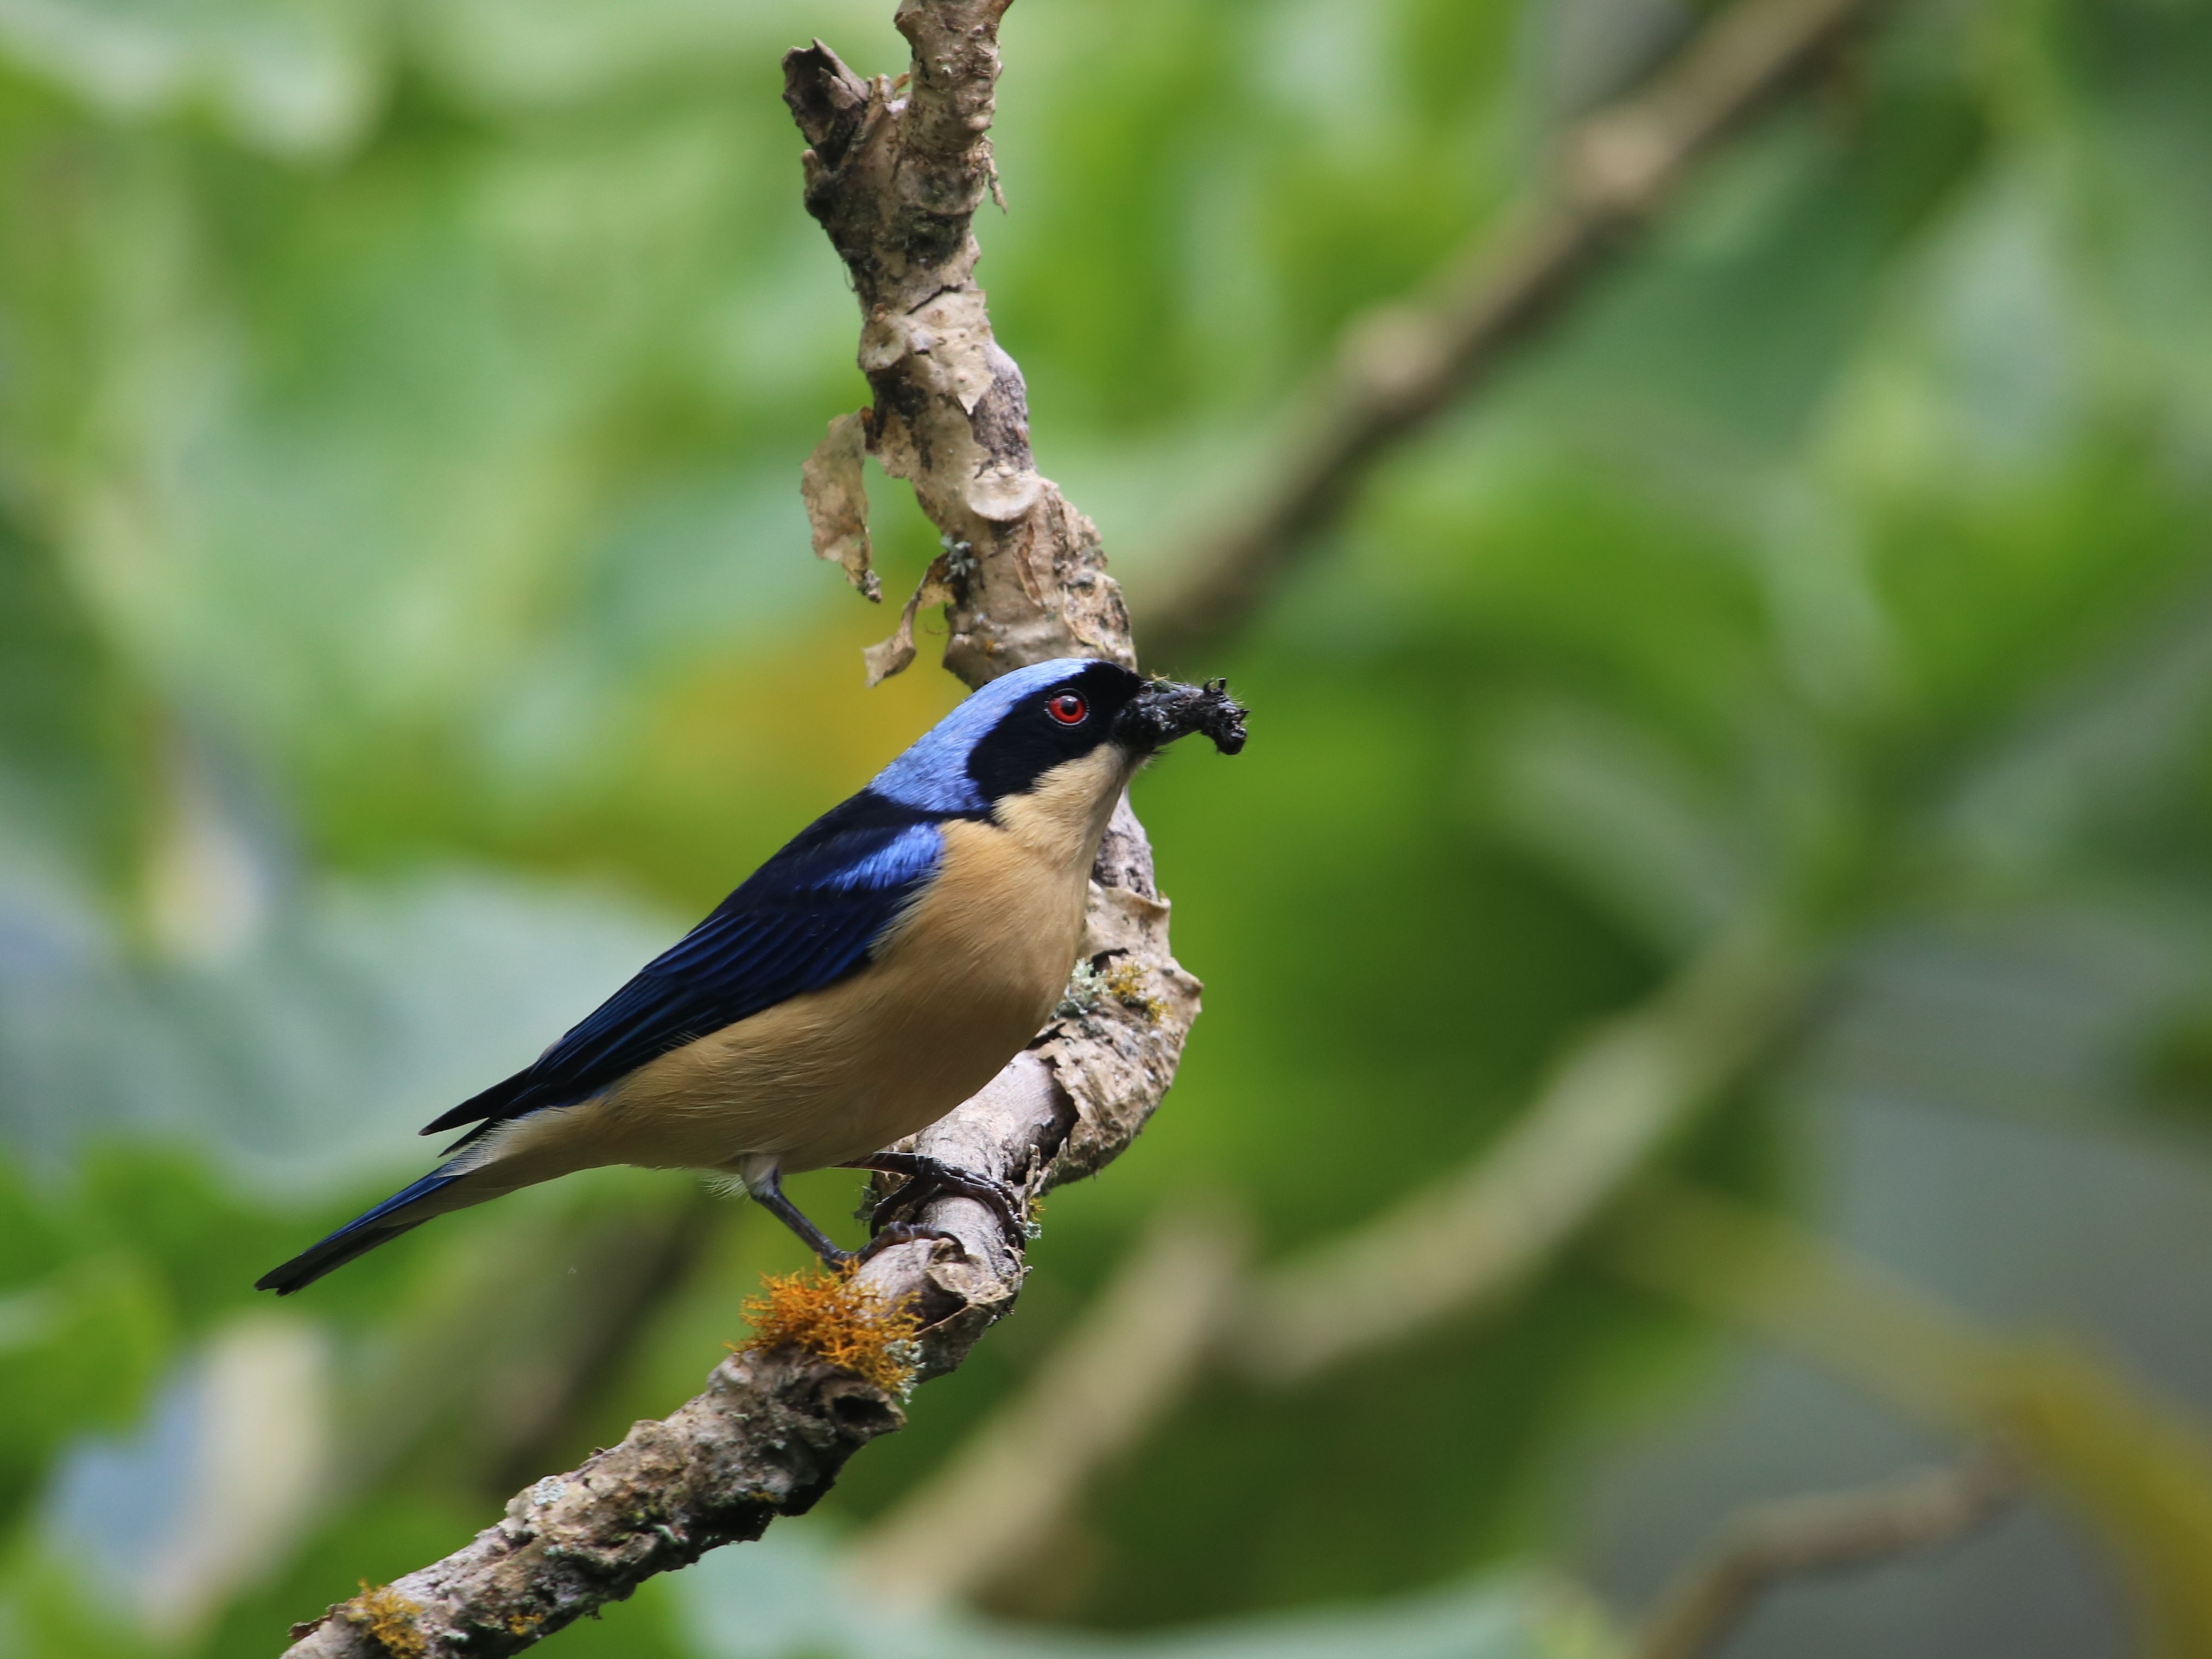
1067 708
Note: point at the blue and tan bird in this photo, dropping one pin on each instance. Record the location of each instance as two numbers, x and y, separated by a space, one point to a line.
858 986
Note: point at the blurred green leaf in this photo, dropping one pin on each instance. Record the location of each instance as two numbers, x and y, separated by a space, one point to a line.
79 1348
295 77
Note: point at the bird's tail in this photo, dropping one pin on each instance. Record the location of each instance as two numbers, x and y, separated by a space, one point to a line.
402 1210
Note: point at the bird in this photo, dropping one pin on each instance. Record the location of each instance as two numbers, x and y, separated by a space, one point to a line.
874 973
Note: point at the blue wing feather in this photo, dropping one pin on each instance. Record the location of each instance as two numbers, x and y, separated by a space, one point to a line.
804 919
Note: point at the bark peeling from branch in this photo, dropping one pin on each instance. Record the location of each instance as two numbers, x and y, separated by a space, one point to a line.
894 177
835 495
1397 368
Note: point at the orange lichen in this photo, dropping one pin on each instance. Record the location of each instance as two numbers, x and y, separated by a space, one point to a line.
834 1316
389 1618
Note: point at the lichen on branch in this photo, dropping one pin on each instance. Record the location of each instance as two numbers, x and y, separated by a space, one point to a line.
838 1318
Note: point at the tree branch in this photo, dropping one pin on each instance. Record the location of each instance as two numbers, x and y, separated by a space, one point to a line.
895 181
895 184
1827 1532
1398 366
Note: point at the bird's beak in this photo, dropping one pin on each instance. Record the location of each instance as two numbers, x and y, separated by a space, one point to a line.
1167 709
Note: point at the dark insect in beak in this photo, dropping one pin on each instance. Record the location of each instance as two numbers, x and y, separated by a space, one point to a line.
1167 709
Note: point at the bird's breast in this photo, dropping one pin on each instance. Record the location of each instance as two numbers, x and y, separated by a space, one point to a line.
992 938
999 925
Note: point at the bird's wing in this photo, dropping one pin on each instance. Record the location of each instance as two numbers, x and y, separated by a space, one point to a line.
806 919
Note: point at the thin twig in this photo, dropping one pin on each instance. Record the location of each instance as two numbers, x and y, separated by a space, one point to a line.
1825 1533
1398 366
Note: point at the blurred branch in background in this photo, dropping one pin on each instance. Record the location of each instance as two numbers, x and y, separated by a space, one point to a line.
1612 1102
633 1266
2140 1476
1398 366
1824 1532
1001 1500
2138 1472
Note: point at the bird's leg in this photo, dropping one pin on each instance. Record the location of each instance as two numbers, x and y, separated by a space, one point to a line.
766 1190
929 1178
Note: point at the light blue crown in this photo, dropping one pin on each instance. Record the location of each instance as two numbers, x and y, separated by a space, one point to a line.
933 775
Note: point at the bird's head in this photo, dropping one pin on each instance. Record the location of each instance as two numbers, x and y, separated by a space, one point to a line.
1031 723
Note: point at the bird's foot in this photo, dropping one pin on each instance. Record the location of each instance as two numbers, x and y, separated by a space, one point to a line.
929 1180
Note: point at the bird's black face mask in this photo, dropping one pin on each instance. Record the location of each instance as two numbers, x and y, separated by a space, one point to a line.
1099 702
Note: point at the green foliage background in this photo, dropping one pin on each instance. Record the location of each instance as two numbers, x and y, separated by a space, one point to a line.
406 623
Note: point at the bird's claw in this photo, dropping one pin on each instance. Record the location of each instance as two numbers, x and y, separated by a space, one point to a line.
936 1180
